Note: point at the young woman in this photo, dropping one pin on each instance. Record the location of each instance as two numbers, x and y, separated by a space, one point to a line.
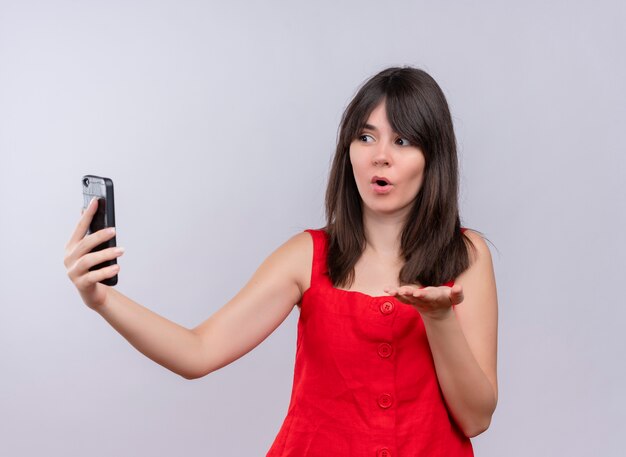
397 334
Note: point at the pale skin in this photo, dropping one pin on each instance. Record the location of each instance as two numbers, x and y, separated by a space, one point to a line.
460 322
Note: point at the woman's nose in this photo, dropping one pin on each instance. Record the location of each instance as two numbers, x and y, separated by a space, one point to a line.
381 155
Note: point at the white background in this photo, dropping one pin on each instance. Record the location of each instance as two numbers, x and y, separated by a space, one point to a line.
217 122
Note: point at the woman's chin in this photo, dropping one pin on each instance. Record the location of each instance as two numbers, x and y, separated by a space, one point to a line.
385 209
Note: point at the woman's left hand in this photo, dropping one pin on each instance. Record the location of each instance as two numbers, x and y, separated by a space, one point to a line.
431 302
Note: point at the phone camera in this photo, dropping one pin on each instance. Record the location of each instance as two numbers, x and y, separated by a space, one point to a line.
86 182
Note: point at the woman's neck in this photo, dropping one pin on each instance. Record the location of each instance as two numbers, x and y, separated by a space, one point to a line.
383 236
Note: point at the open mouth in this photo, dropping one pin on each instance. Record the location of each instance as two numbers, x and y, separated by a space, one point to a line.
380 180
381 185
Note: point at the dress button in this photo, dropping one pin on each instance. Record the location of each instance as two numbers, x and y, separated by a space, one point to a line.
386 307
384 401
384 350
383 452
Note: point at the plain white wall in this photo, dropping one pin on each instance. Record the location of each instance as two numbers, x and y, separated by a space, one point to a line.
217 123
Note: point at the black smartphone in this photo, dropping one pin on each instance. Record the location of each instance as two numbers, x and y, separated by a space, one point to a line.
102 189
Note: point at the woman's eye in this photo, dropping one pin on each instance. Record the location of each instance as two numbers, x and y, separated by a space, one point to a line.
364 137
404 141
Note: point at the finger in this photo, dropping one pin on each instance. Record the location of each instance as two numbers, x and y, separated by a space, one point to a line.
83 223
98 275
390 290
80 269
456 294
85 246
406 290
84 263
421 291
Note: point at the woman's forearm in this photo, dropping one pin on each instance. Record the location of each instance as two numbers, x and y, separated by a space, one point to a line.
175 347
469 395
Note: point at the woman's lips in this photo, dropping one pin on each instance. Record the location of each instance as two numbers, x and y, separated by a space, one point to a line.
381 190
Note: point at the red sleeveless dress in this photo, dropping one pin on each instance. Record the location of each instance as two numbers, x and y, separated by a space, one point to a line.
364 381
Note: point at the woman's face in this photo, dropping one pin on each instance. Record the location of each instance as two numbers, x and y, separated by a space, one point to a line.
379 152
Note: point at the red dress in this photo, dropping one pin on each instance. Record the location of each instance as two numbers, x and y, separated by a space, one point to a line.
364 380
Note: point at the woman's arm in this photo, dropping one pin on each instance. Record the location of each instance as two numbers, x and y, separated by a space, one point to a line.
463 338
167 343
259 307
464 345
244 322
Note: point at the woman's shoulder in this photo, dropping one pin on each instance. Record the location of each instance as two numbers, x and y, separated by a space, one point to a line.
299 246
473 235
478 243
299 250
301 241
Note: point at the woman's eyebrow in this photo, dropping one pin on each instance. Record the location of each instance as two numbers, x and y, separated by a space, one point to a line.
369 127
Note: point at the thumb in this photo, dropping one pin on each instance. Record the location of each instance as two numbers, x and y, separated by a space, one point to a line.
456 294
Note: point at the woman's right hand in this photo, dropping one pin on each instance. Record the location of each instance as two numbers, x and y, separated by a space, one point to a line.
78 259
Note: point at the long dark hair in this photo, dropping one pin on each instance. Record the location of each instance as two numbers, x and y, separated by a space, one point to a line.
434 249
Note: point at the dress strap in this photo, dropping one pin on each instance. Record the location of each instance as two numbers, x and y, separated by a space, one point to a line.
319 267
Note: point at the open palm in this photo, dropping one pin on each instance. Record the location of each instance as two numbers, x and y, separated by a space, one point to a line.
433 301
